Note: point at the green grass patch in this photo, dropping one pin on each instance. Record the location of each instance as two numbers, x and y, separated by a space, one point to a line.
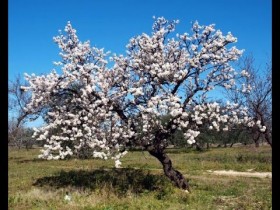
140 184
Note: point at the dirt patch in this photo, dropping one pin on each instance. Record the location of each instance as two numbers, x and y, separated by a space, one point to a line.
238 173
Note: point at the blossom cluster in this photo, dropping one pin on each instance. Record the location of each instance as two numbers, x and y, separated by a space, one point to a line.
92 105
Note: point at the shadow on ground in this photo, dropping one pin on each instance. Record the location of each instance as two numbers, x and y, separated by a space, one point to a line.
120 180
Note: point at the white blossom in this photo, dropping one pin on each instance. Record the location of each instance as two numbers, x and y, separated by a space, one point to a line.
103 107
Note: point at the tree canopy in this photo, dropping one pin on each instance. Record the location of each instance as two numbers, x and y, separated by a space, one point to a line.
112 103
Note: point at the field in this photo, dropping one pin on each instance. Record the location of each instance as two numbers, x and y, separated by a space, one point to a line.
140 184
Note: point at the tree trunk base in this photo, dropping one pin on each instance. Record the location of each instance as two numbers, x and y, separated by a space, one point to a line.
175 176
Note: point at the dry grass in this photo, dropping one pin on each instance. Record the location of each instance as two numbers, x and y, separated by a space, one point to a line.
95 184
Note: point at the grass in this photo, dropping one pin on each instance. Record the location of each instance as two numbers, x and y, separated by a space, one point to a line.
140 184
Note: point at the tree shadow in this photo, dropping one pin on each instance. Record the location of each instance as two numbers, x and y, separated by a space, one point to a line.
119 180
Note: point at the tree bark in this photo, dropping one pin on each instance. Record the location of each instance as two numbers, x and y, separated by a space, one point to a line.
257 144
198 147
267 138
256 138
175 176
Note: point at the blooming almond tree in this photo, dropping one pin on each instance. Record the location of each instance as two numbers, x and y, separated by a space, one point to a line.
111 109
259 100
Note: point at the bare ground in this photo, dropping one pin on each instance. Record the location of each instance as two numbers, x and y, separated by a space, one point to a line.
238 173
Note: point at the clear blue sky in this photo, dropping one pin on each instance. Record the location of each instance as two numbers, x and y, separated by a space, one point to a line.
111 23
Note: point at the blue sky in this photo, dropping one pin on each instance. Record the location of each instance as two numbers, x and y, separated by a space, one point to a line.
110 24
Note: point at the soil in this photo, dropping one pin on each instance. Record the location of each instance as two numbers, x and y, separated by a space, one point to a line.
238 173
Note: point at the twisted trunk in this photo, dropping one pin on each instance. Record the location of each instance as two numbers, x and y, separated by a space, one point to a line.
267 137
175 176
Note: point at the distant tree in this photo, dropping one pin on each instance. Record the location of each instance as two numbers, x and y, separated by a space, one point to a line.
18 99
19 136
121 106
259 100
18 116
14 134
